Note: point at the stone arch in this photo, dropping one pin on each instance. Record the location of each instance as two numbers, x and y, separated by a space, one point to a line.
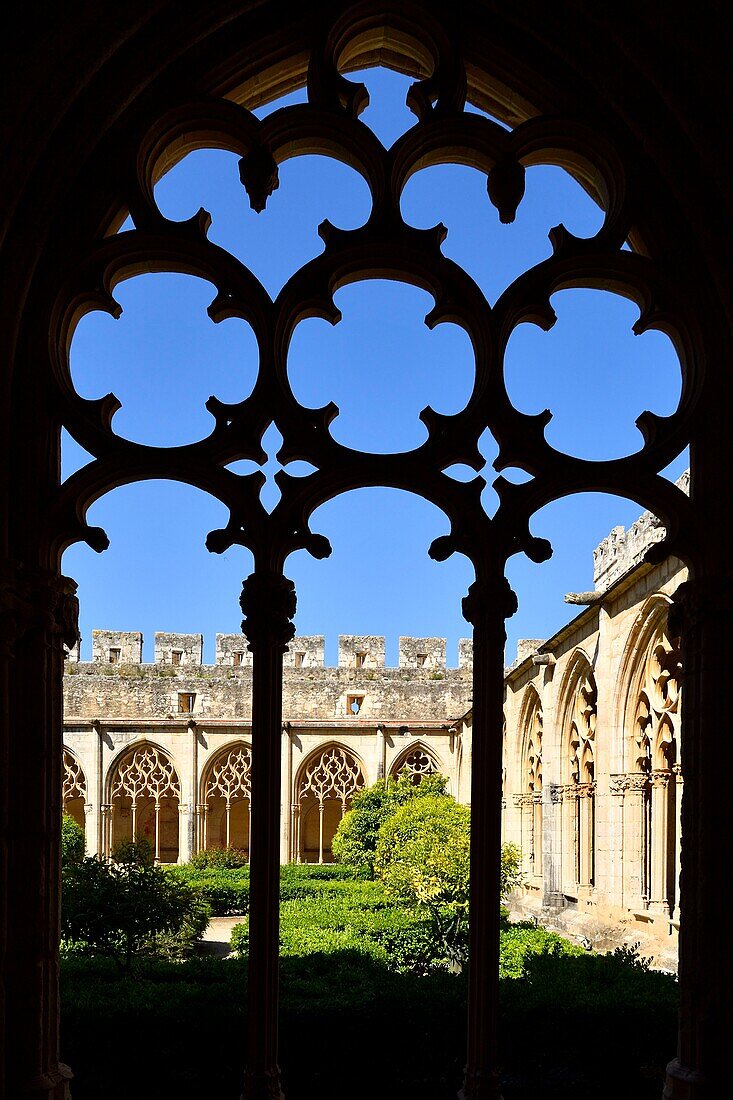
529 797
226 791
143 799
651 780
518 71
578 710
419 759
327 781
74 791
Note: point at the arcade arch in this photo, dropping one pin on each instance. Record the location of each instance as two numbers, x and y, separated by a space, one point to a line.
418 761
226 793
327 782
74 791
578 772
143 800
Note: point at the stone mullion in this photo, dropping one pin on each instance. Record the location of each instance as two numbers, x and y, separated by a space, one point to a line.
703 612
45 617
268 602
486 609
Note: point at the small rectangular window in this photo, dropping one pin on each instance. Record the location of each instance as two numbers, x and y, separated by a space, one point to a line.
176 655
238 658
354 704
421 659
114 656
186 701
299 660
360 660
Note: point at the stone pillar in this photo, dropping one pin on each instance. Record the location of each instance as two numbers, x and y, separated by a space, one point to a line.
286 793
268 602
381 752
486 606
702 612
552 893
192 819
38 615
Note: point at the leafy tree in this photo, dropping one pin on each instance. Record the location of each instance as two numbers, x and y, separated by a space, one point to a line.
128 909
73 844
423 860
355 842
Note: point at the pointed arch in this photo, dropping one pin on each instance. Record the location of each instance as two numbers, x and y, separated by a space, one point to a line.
578 714
326 783
226 791
144 794
74 788
419 759
649 709
530 796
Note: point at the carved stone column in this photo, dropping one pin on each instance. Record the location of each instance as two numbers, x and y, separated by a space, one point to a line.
552 798
38 614
702 613
268 602
485 607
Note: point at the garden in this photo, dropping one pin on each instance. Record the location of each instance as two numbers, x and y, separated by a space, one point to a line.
373 973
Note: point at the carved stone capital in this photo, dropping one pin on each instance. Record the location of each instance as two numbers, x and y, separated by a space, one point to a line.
268 602
661 779
698 601
628 781
556 792
484 601
33 600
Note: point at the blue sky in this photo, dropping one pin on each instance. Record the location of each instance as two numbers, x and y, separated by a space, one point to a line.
381 365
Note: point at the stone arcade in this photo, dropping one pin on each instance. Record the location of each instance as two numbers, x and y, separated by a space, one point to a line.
636 106
592 776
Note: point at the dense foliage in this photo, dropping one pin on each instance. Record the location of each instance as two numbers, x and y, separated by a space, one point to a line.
127 908
355 842
227 858
566 1014
73 844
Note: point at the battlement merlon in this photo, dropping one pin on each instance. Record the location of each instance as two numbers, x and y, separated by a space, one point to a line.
428 653
622 550
361 651
186 650
117 647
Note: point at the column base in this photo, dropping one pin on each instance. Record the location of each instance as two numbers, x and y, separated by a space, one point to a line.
683 1083
480 1086
52 1086
262 1086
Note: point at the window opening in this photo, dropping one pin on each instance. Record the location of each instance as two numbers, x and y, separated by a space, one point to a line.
421 659
186 702
299 660
360 660
238 658
176 656
354 703
114 656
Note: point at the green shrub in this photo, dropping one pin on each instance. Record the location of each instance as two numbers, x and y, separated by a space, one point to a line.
227 858
355 842
138 852
423 860
73 844
127 909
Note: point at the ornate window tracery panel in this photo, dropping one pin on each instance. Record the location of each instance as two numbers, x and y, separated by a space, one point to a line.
326 785
416 763
144 798
531 798
74 790
226 799
653 743
579 795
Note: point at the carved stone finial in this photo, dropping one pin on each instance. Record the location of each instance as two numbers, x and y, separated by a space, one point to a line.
505 186
268 602
258 172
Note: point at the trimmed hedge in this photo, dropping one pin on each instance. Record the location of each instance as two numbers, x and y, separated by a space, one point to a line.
227 889
356 1020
